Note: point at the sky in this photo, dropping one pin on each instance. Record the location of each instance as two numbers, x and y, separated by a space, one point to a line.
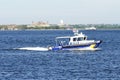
70 11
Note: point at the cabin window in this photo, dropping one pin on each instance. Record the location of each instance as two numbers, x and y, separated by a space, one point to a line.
79 39
84 38
74 39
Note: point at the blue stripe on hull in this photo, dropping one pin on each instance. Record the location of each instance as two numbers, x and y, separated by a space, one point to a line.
78 46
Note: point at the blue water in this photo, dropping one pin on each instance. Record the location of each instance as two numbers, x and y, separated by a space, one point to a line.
18 64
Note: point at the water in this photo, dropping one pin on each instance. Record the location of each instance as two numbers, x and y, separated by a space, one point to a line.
28 64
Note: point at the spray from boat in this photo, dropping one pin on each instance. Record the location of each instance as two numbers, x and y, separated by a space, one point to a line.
33 48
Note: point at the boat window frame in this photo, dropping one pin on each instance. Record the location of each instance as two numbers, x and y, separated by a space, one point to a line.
75 39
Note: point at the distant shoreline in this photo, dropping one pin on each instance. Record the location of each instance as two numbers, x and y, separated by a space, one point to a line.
61 27
55 29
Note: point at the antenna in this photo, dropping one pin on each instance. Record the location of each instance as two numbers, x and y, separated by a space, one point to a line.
75 31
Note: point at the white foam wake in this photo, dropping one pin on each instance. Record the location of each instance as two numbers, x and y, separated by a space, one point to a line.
34 48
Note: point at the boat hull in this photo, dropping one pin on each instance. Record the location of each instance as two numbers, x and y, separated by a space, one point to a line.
89 46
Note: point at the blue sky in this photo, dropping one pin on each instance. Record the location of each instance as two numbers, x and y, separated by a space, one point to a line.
70 11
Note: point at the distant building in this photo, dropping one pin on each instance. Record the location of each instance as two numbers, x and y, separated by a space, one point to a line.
8 27
39 24
12 27
62 23
90 28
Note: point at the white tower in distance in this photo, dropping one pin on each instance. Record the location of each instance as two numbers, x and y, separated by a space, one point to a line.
61 22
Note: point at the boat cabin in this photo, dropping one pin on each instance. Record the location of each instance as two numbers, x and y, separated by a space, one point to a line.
71 40
75 40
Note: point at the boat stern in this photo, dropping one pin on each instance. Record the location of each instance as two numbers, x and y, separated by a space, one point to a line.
55 48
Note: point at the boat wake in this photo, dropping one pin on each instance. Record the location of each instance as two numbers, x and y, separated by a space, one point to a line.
34 48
